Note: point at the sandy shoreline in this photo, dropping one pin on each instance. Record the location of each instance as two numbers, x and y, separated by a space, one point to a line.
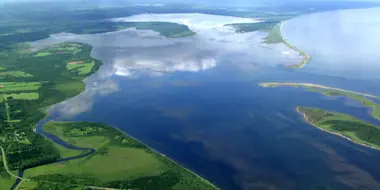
335 133
306 56
275 84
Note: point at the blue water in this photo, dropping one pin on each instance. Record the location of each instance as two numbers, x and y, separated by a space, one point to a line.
201 105
235 133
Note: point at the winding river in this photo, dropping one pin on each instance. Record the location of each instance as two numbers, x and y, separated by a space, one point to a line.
55 139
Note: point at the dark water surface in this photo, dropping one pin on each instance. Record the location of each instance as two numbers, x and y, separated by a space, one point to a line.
211 116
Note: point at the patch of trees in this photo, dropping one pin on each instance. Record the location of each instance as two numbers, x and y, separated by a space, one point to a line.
39 152
161 182
362 130
63 182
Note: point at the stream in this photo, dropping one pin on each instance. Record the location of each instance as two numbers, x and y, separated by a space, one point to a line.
57 140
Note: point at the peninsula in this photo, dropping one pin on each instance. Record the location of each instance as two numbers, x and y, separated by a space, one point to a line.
275 36
343 125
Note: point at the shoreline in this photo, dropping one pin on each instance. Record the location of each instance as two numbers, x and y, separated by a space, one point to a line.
335 133
311 85
306 56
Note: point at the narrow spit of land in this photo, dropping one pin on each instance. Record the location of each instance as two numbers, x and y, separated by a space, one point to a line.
363 98
275 36
311 85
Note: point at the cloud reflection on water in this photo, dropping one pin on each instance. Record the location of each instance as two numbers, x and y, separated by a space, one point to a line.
131 52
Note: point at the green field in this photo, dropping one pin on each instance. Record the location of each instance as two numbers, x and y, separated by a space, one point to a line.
119 161
42 54
19 86
6 181
81 69
65 153
14 74
345 125
28 185
24 96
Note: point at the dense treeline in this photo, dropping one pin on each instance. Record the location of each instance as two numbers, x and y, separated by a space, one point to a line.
63 182
355 129
161 182
363 131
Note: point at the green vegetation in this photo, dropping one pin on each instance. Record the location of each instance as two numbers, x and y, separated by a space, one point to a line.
23 96
42 54
14 74
274 36
304 61
265 26
28 185
24 100
19 86
6 181
343 125
66 153
80 67
119 162
273 30
30 23
167 29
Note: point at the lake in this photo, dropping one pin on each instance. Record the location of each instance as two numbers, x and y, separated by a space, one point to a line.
197 100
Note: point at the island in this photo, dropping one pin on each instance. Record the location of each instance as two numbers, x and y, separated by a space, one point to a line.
364 98
72 155
343 125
